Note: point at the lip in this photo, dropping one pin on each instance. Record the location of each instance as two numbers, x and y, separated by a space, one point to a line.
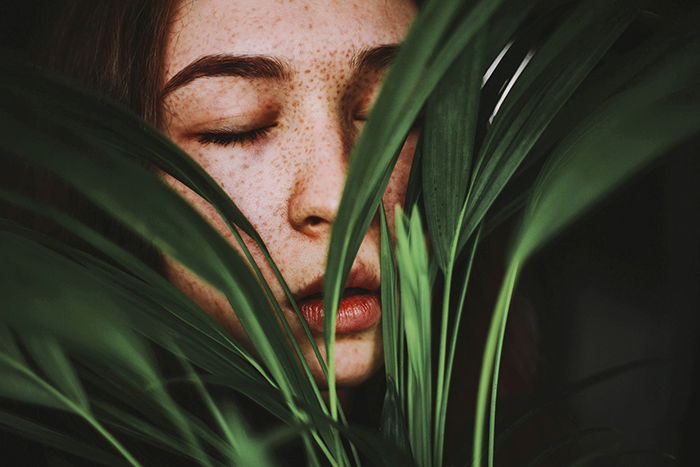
359 308
356 312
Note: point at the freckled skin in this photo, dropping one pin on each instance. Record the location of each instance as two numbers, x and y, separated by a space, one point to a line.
289 181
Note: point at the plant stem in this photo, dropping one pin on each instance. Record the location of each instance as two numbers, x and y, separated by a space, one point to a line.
453 345
487 365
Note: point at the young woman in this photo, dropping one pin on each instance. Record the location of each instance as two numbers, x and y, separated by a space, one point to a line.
269 97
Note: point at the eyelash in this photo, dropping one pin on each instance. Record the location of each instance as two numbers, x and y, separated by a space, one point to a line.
232 138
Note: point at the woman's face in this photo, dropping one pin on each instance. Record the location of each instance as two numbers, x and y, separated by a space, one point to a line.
269 98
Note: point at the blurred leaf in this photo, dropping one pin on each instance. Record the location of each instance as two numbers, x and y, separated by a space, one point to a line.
54 363
17 384
137 427
8 344
56 439
104 123
249 450
42 304
178 231
216 348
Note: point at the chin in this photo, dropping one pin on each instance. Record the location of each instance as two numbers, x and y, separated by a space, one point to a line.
357 358
356 362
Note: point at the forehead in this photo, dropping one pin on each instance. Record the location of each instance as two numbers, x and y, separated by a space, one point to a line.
300 31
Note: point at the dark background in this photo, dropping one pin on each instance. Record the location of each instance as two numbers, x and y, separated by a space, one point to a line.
619 286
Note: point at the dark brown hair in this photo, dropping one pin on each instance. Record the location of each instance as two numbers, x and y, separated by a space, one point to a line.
115 47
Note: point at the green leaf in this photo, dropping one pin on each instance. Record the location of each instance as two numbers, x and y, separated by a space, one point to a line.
415 294
547 82
178 231
249 450
57 440
448 146
618 140
392 330
431 46
18 385
393 420
90 115
48 354
614 143
137 427
8 344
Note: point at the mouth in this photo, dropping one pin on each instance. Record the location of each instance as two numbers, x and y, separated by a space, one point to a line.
359 308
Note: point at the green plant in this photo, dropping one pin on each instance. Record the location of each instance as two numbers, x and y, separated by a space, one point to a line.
79 328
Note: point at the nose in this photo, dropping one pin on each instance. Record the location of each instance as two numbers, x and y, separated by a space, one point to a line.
319 181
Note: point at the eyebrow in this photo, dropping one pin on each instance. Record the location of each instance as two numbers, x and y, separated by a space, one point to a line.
375 58
268 67
244 66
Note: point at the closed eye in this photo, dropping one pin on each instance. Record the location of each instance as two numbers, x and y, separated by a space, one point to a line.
227 137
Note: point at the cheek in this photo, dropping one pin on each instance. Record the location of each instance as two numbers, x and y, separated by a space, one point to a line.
259 193
255 182
398 183
205 296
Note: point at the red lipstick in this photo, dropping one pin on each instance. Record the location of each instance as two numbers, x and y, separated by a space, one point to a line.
359 309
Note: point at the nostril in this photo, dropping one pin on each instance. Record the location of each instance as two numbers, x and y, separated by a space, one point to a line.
314 220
